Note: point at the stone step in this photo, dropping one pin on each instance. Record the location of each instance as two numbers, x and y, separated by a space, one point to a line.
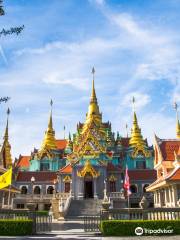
85 207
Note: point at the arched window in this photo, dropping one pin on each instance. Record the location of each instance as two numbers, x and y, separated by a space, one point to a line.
23 190
133 188
144 187
37 190
50 190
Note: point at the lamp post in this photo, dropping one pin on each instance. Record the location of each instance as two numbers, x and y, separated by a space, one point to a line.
32 183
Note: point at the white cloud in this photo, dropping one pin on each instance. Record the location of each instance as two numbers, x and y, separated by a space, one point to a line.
141 100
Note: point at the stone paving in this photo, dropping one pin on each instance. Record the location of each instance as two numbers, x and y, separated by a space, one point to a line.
89 237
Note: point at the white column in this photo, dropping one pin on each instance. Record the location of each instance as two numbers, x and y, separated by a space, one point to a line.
95 188
172 195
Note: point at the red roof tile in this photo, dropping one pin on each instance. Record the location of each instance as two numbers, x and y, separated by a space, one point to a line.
66 169
168 148
23 162
145 174
39 176
61 143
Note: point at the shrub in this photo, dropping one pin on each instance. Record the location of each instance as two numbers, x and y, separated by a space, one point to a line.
42 213
127 227
12 227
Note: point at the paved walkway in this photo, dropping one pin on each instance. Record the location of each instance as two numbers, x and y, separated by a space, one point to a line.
89 237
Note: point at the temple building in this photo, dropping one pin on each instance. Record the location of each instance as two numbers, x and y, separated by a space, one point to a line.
84 165
166 187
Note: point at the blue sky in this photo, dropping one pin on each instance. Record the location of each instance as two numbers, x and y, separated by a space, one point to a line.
133 45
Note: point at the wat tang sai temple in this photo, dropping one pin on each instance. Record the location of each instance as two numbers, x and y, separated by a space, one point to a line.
71 177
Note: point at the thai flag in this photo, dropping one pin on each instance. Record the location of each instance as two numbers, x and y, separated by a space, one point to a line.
126 182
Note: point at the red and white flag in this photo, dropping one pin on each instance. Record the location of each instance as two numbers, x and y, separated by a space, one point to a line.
126 182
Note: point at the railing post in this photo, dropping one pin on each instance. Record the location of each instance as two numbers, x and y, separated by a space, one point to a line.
32 216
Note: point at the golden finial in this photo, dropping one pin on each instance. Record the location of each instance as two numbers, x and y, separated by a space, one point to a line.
133 102
127 129
177 121
136 137
49 139
93 94
6 135
6 145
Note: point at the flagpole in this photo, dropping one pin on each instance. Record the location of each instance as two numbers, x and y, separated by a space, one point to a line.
128 207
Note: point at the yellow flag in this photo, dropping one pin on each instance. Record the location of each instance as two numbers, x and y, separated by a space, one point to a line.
5 179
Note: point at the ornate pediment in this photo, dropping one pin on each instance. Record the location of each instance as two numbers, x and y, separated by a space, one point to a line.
67 178
140 150
112 178
88 169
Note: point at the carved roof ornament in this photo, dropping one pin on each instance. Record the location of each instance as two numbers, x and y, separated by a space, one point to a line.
112 178
88 169
67 178
177 121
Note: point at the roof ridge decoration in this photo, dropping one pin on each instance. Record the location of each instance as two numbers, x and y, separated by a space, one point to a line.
88 169
176 163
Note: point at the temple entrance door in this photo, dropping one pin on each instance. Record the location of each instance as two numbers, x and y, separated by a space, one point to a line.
88 186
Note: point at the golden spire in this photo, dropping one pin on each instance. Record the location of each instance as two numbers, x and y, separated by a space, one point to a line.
177 121
136 137
7 159
93 110
49 141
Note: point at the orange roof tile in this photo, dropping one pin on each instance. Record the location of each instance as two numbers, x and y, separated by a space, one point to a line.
168 148
61 143
176 175
66 169
23 162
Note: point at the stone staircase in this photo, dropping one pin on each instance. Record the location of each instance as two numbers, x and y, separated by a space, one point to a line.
86 207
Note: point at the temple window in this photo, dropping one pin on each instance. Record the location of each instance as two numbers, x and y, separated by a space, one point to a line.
141 164
133 188
144 187
23 190
50 190
67 187
37 190
112 185
44 166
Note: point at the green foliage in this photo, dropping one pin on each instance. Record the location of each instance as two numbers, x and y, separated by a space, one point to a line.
12 227
42 213
1 8
127 227
12 30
